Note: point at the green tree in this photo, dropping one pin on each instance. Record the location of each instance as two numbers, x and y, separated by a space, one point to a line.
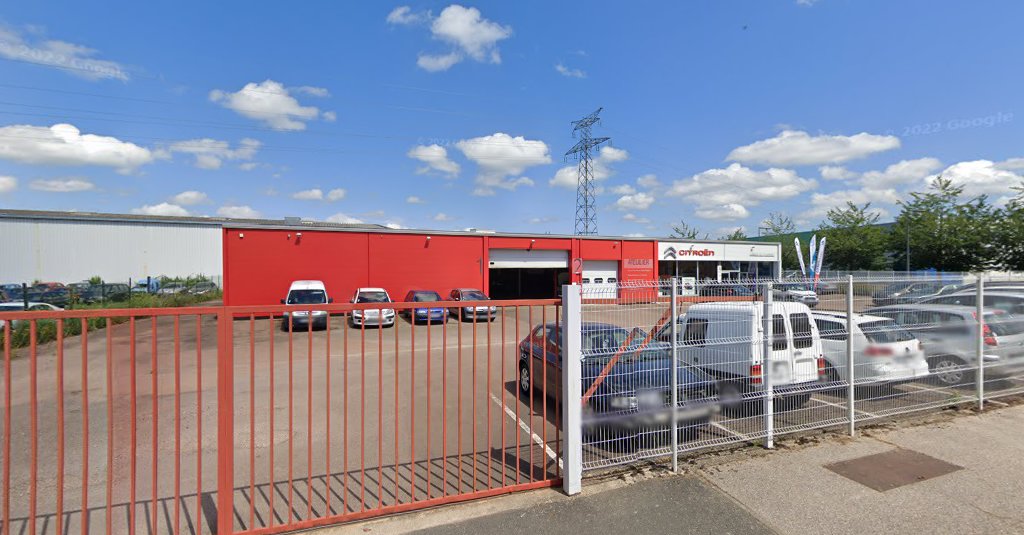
684 231
944 232
780 227
736 235
855 241
1010 232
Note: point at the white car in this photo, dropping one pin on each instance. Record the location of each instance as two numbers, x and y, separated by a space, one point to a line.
305 292
381 317
19 306
795 292
882 350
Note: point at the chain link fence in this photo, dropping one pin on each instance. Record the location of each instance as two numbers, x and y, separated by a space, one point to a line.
668 368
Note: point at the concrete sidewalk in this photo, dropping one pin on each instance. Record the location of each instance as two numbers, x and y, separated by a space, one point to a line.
789 490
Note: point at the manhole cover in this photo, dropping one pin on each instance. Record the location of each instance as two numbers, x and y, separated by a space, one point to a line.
895 468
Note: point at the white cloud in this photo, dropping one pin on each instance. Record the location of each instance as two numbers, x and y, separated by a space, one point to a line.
633 218
405 16
190 198
462 28
438 62
793 147
412 199
63 144
566 176
62 185
163 208
394 226
648 181
570 73
436 158
315 194
8 184
739 185
342 218
981 177
623 189
270 102
329 116
724 212
821 203
1013 164
211 153
541 220
441 217
312 91
69 57
836 172
900 173
501 159
234 211
336 194
635 202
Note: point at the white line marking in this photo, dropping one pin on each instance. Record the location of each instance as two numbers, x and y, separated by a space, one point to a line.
844 406
731 432
526 428
919 387
997 402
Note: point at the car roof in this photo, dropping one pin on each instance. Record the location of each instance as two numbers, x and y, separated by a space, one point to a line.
930 307
857 318
21 303
361 290
307 285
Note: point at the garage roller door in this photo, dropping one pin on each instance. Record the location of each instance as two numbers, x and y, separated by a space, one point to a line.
601 278
524 258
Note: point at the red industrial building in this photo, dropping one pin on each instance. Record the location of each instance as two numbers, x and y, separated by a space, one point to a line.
260 261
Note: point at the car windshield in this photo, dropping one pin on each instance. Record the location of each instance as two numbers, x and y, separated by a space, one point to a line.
604 340
473 295
795 287
1005 324
425 297
307 297
885 332
372 297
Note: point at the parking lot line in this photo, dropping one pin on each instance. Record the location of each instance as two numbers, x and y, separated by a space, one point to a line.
843 407
731 432
540 442
919 387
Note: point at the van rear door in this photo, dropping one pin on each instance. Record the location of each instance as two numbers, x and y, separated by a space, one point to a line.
805 347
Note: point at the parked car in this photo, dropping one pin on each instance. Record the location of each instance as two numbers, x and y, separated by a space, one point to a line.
724 339
796 293
203 288
381 317
883 352
634 394
305 292
949 334
56 296
172 288
146 285
19 306
78 288
1012 302
106 292
724 290
44 286
486 313
428 314
910 292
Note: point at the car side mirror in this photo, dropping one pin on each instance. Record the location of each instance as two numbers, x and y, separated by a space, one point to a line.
282 301
330 300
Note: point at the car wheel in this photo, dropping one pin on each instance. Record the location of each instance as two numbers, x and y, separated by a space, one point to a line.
525 381
730 395
948 370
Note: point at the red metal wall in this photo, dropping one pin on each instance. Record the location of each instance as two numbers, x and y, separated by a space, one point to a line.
259 264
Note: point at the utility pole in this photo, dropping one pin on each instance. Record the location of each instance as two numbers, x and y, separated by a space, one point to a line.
586 212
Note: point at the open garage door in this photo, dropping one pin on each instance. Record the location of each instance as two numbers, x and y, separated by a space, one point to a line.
602 277
527 274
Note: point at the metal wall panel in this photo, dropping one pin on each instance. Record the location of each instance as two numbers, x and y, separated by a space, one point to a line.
69 251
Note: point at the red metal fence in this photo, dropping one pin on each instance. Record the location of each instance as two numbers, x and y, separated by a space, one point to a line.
239 420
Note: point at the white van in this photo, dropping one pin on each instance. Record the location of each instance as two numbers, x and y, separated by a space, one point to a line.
305 293
726 340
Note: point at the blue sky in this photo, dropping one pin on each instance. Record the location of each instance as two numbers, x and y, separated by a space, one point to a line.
447 116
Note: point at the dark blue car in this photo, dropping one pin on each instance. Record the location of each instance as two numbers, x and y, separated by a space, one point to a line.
427 314
633 398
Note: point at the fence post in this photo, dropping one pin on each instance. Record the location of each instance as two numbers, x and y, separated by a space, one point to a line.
225 423
766 369
675 374
980 313
850 400
572 384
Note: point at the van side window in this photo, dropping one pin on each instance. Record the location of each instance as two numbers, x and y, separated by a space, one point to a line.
831 330
696 332
779 342
802 337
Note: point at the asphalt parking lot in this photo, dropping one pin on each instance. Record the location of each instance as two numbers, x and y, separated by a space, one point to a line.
383 417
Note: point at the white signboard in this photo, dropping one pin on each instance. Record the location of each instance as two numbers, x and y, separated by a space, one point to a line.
690 251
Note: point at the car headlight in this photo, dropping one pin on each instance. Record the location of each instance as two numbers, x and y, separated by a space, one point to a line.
622 402
357 313
494 309
389 312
